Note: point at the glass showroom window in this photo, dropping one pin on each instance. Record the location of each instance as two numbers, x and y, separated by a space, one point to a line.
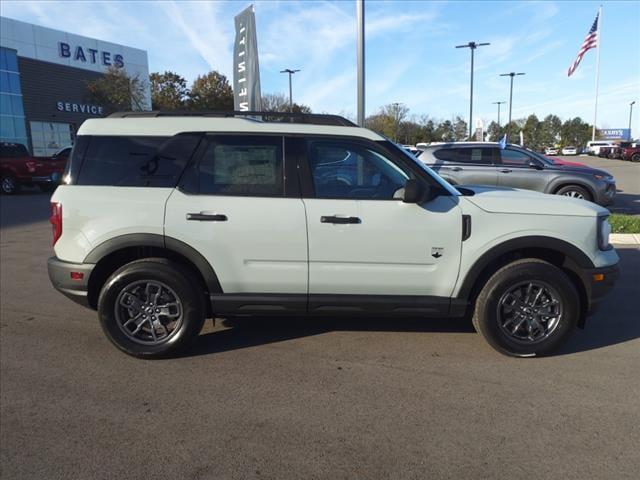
49 137
12 125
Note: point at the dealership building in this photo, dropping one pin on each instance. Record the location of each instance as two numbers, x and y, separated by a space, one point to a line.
43 82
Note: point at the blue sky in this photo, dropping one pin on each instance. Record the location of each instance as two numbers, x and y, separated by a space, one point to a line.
410 50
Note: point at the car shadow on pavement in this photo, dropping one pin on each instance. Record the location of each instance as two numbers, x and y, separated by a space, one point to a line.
628 203
243 332
616 321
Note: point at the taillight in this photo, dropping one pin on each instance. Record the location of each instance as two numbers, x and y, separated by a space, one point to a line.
31 166
56 220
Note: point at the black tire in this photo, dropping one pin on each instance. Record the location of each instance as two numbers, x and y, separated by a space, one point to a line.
9 185
635 157
181 283
488 314
575 191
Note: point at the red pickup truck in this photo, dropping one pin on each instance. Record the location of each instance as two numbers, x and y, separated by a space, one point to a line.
632 152
18 168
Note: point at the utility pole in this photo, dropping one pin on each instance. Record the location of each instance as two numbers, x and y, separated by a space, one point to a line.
472 46
360 60
630 114
498 103
511 74
290 72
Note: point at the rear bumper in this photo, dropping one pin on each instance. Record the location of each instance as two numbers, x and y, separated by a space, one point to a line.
74 288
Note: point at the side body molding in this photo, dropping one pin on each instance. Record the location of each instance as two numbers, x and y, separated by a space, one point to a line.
150 240
576 256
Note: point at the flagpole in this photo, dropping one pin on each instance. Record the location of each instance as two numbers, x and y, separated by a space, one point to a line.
595 110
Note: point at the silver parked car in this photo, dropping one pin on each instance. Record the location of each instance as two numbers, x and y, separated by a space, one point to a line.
485 163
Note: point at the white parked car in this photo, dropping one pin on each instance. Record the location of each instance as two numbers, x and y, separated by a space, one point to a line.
593 147
167 220
551 151
569 151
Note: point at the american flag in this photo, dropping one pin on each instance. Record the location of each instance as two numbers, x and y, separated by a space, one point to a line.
591 41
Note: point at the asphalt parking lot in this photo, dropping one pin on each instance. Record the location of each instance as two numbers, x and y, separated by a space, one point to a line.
368 398
627 176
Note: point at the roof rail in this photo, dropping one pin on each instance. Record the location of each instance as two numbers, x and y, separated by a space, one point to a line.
278 117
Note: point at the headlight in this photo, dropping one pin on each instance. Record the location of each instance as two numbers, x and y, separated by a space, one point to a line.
604 229
606 178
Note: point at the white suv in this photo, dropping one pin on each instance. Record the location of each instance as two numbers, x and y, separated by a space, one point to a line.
165 220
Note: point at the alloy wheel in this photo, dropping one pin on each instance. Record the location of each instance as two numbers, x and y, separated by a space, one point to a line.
529 312
148 312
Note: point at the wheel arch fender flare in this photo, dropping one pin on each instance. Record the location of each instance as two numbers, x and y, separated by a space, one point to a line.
577 258
560 183
161 242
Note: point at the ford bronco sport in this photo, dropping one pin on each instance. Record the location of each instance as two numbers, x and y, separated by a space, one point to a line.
165 220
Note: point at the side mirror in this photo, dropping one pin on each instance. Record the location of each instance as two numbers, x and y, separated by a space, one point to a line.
535 164
416 192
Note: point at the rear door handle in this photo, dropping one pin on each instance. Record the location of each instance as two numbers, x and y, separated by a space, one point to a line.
207 217
506 170
340 220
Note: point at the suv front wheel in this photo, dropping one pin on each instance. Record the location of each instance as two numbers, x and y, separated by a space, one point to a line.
151 308
527 308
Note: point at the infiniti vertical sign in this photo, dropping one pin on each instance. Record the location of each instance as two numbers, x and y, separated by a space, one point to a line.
246 72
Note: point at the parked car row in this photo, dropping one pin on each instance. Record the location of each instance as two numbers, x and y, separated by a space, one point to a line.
18 168
623 151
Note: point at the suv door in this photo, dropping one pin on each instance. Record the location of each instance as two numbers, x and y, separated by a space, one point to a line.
364 240
463 165
518 169
233 208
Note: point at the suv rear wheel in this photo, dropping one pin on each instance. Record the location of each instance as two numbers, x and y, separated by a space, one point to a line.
527 308
575 191
151 308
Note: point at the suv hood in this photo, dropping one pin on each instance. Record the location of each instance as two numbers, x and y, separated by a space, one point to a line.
511 200
576 168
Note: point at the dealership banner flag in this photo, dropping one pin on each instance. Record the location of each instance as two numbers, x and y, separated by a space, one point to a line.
246 71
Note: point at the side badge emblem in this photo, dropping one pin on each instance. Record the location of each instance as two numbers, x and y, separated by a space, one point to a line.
436 252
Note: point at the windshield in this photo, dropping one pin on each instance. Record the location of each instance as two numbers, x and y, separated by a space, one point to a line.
446 185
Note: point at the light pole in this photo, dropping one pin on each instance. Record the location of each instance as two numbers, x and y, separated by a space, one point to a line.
360 61
498 103
471 46
290 72
630 114
512 74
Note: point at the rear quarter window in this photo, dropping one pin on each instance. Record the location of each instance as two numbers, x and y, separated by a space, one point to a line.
136 161
13 150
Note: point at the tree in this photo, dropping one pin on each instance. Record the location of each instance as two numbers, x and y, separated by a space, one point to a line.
445 132
395 113
168 91
575 132
117 91
210 92
460 129
550 130
532 133
494 131
277 102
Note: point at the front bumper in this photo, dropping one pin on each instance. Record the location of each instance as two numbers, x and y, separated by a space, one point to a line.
605 193
599 282
76 286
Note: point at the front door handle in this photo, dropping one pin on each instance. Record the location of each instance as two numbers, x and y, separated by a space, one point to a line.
506 170
207 217
456 169
340 220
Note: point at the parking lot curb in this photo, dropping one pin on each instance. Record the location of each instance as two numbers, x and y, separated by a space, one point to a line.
625 238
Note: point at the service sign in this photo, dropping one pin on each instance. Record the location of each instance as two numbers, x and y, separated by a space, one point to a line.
615 133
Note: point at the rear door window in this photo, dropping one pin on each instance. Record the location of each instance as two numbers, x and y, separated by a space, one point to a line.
242 166
142 161
478 156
